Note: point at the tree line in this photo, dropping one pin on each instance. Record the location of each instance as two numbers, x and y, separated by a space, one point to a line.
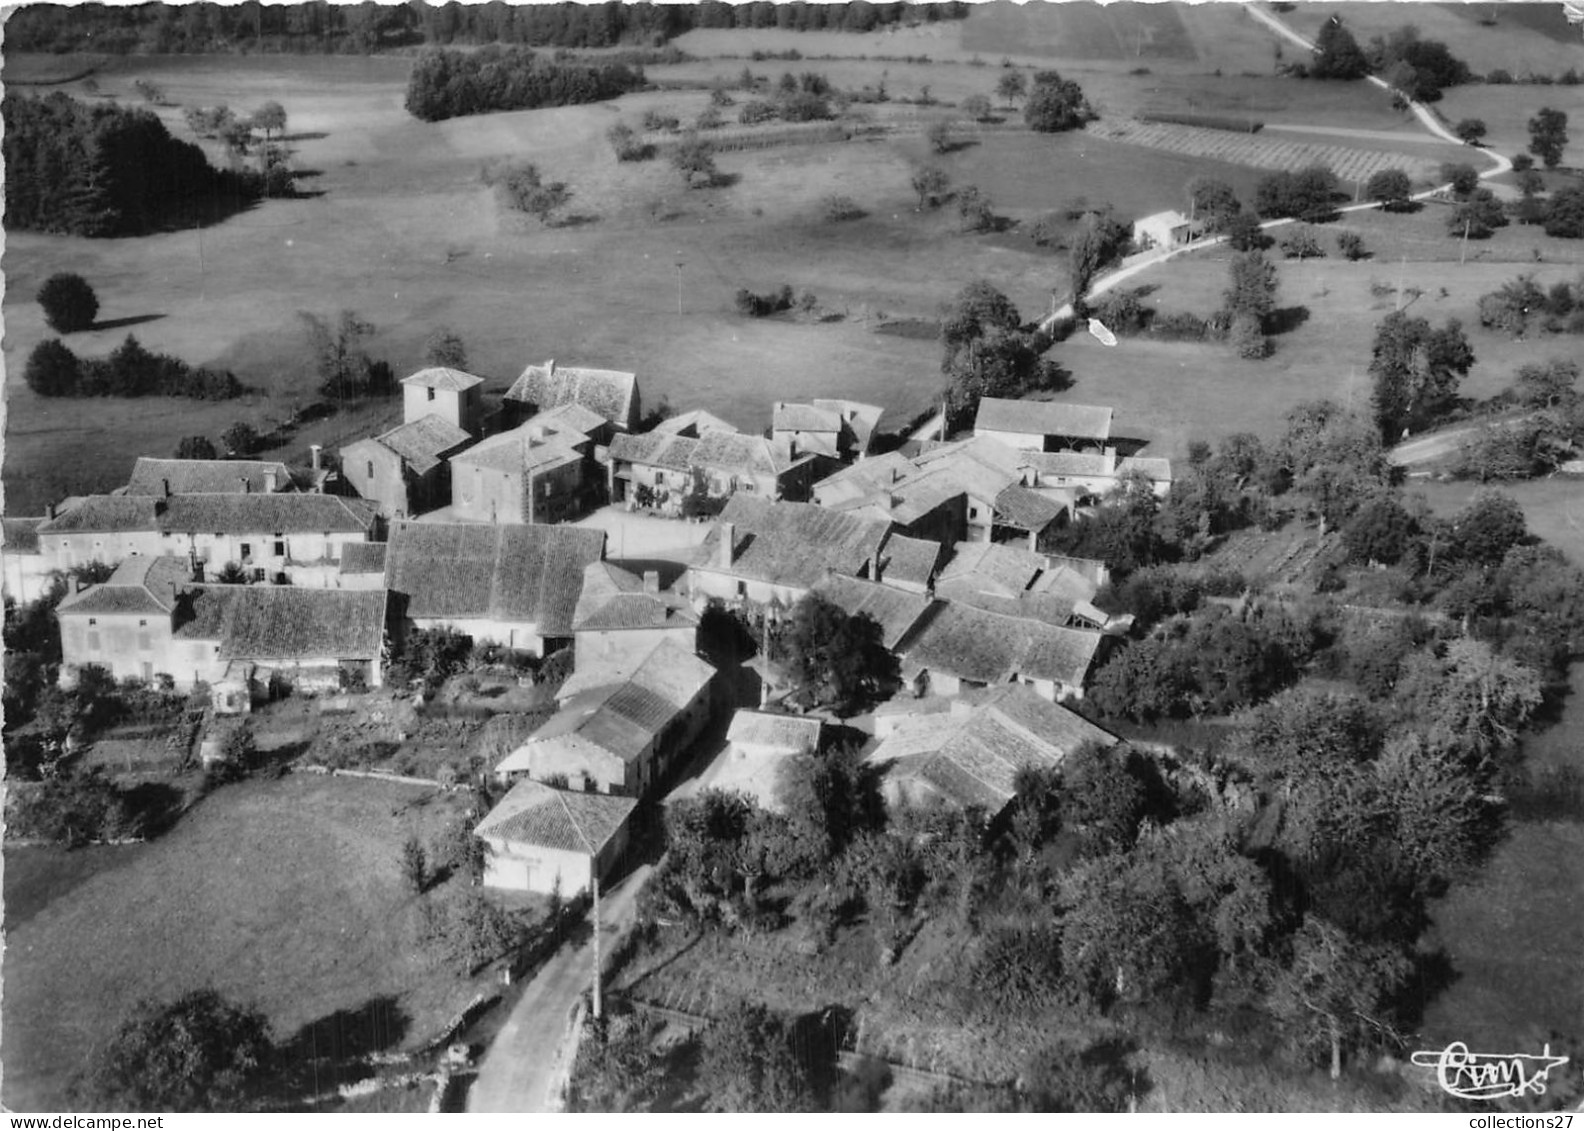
103 170
323 27
449 84
130 370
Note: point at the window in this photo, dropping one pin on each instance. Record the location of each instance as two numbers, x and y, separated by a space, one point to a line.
742 589
280 547
370 469
247 550
142 624
92 621
431 392
659 479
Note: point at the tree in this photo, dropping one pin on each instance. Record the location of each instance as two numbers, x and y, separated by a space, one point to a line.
1055 104
1011 86
838 659
1212 202
694 159
271 118
1337 53
414 865
624 140
1548 136
1307 194
1335 992
241 439
617 1067
1564 213
1127 932
1463 178
52 369
196 447
200 1052
977 107
344 368
931 183
1470 130
1380 531
1095 242
975 211
1252 288
1492 524
1100 799
1351 245
1477 217
1417 370
1391 187
69 303
1248 337
444 347
152 92
746 1063
939 136
1547 384
1245 234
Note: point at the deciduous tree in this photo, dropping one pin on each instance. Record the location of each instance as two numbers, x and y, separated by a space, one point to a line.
1548 136
69 303
200 1052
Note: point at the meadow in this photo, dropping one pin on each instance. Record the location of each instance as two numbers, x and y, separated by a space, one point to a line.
285 893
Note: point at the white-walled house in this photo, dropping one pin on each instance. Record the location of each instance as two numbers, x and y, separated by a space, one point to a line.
542 839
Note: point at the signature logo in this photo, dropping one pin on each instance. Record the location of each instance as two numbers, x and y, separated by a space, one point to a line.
1489 1075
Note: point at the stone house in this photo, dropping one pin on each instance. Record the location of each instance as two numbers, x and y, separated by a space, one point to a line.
553 840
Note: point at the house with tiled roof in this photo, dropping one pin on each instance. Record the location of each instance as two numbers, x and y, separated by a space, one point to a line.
896 611
1043 426
362 566
160 477
611 393
759 747
151 618
26 572
538 838
540 471
910 564
290 536
836 429
452 395
764 551
515 585
661 469
620 614
621 728
1094 475
970 755
956 646
404 471
694 424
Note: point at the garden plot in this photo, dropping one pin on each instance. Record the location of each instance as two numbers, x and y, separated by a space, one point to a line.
1348 163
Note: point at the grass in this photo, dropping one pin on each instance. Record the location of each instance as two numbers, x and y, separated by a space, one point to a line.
1526 37
286 893
1506 111
1553 507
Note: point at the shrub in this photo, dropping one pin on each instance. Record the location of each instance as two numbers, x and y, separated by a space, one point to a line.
1302 244
69 303
760 306
1122 313
1178 327
755 112
1351 245
1248 337
838 208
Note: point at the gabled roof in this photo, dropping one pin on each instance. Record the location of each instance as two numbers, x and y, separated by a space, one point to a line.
613 599
858 482
972 756
1043 418
668 671
792 544
860 419
534 813
987 647
989 567
714 451
1170 219
791 733
525 572
206 476
538 444
138 585
288 622
424 442
694 424
363 557
894 610
265 514
1024 509
910 561
570 417
793 417
443 377
20 535
609 392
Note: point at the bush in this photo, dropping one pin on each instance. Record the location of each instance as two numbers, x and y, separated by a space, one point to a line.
1179 326
1122 313
1351 245
760 306
130 371
838 208
1302 244
69 303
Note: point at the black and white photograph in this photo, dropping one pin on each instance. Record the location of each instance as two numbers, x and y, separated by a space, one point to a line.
792 557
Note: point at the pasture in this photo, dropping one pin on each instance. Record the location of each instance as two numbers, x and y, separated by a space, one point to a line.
285 893
1523 38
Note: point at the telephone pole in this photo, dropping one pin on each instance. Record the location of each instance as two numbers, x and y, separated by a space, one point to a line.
679 266
596 950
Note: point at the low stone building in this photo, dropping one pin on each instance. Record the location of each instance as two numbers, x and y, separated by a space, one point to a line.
553 840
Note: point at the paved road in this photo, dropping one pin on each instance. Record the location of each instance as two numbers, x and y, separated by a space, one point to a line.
523 1066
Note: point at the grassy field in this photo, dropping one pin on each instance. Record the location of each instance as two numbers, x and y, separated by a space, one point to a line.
1506 111
286 893
1525 38
1553 507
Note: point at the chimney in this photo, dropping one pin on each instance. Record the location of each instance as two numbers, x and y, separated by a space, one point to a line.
270 484
651 581
247 486
165 488
1110 461
49 510
316 455
728 545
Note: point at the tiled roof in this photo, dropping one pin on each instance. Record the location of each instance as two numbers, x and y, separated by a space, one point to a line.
669 672
987 647
216 514
861 480
20 535
894 610
972 757
614 599
138 585
694 424
571 417
206 476
516 572
1043 418
793 544
611 393
989 567
524 450
424 442
860 419
1159 470
909 560
654 449
363 557
288 622
565 820
794 417
1025 509
725 452
792 733
443 377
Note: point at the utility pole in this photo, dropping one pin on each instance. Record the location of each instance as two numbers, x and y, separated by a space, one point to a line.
679 266
596 950
1463 254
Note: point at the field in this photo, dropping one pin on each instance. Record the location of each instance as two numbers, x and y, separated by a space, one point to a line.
1525 38
286 893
